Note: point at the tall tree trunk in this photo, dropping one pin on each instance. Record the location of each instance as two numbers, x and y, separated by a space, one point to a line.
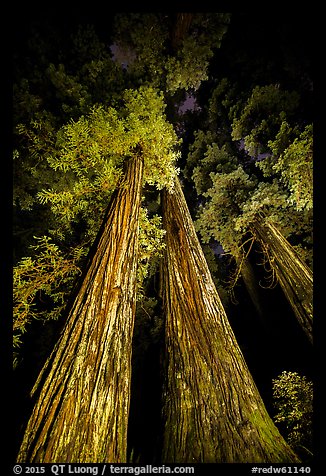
252 287
293 274
180 27
81 411
212 409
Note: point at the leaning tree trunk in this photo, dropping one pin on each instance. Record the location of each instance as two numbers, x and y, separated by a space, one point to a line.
292 273
212 410
81 411
249 279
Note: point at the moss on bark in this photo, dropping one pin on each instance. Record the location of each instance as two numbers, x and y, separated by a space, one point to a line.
82 394
212 409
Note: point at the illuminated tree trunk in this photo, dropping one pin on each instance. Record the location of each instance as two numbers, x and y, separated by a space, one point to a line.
292 273
82 405
212 410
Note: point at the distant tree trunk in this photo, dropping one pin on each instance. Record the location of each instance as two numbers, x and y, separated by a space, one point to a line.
252 287
293 274
212 410
180 27
81 411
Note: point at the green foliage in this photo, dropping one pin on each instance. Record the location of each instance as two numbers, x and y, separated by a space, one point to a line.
87 165
147 125
25 103
295 165
75 124
220 102
38 134
196 151
143 52
71 93
293 401
42 284
150 246
262 116
205 157
78 116
226 198
64 75
91 62
35 139
87 155
150 58
268 198
231 193
236 199
189 68
83 161
223 106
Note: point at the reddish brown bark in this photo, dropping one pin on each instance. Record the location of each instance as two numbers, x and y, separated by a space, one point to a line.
181 25
82 404
212 410
292 273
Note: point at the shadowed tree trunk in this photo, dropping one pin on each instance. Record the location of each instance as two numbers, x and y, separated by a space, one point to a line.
293 274
82 405
180 27
250 282
212 410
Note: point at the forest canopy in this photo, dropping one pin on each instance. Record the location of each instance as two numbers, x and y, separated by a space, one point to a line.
105 151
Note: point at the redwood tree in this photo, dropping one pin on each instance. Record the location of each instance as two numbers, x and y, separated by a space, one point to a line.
258 217
239 208
81 405
82 394
294 276
212 411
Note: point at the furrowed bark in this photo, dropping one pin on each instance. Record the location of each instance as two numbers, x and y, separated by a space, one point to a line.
293 274
81 411
212 410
